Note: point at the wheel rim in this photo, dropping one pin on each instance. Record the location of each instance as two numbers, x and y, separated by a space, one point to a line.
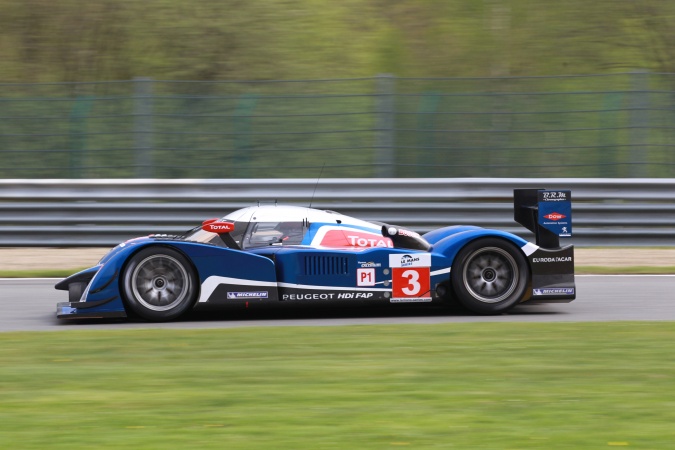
160 282
490 274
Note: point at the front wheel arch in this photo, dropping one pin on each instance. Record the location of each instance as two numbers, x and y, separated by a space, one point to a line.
490 275
177 279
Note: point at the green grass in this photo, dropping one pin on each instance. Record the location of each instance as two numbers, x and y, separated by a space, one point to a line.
506 386
646 270
38 273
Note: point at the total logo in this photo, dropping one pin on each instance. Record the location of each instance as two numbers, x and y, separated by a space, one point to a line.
216 226
225 227
555 216
363 241
343 237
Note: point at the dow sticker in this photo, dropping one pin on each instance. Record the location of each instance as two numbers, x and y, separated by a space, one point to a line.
411 284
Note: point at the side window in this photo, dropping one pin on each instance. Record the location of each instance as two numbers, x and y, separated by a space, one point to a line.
291 232
262 234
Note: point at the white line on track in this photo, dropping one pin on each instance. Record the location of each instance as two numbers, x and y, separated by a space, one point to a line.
626 275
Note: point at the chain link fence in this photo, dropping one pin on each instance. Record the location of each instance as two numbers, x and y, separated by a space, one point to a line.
619 125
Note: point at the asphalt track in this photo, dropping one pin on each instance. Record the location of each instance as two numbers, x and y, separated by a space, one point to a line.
30 305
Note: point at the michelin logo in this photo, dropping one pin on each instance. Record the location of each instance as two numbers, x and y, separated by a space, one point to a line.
554 291
237 295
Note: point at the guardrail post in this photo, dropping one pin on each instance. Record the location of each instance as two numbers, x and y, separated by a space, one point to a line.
426 124
78 136
143 127
639 123
243 134
384 141
609 162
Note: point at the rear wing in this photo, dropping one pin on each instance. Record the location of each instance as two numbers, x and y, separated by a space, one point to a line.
547 213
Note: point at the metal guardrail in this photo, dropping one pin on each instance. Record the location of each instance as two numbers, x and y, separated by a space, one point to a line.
607 212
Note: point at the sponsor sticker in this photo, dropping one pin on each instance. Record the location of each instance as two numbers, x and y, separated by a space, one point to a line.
342 237
410 300
369 264
410 260
555 212
408 233
552 259
218 227
328 296
237 295
555 216
355 295
554 196
554 291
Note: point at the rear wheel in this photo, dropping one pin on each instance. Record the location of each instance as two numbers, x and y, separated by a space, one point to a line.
490 276
159 284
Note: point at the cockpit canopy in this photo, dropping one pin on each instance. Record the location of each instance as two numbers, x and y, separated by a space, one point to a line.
265 225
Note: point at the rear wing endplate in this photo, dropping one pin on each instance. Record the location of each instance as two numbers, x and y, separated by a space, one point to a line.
547 213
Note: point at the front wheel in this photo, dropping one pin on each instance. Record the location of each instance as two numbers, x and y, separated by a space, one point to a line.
490 276
159 284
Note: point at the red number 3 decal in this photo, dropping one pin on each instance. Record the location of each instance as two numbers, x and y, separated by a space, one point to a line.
413 288
411 282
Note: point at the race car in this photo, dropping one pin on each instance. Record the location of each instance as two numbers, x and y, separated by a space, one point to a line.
291 255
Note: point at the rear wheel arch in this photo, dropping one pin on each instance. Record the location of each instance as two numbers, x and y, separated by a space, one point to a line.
490 275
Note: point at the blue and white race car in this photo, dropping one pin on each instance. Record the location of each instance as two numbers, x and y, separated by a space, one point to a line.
290 255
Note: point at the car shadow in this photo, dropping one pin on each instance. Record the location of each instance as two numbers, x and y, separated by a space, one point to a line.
307 313
383 312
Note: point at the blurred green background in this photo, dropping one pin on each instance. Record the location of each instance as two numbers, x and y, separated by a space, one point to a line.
364 88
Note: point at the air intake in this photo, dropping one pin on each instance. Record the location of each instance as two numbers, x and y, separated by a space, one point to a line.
326 265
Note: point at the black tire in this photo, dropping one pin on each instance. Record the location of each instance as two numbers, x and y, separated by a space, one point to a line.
490 276
159 284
